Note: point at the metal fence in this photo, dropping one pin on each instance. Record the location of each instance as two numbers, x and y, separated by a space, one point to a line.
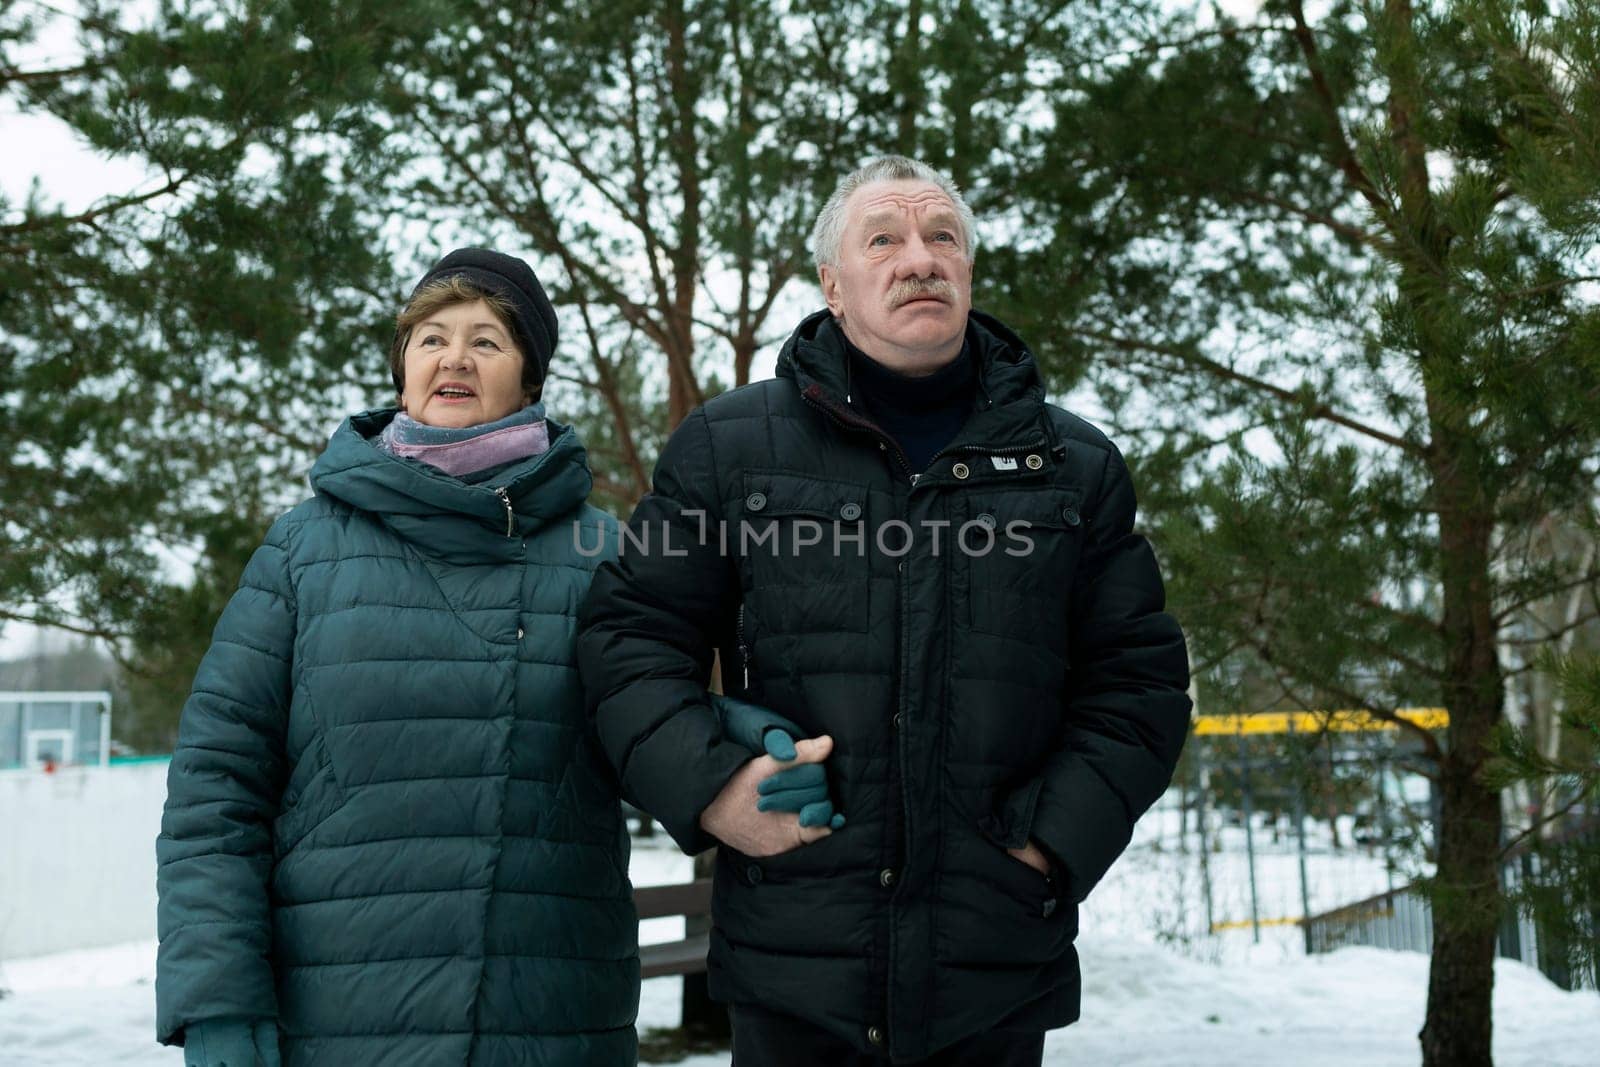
1402 919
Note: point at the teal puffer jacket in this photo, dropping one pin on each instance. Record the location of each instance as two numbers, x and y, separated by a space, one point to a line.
386 825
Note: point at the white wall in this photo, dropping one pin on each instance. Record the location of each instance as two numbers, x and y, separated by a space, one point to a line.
78 856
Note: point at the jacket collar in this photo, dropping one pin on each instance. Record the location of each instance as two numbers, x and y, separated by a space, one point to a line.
442 515
1009 407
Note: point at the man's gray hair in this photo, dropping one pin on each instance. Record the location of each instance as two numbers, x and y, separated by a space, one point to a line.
828 234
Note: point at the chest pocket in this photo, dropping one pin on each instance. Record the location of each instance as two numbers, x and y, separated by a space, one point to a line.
802 546
1021 586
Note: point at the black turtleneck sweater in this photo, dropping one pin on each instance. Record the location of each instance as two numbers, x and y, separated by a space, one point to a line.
922 414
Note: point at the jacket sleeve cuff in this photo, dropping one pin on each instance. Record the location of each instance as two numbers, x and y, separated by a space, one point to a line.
679 809
211 971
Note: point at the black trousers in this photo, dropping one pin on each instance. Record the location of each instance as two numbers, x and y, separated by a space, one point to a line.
763 1038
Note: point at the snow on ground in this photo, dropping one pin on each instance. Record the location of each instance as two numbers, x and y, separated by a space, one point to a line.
1220 1001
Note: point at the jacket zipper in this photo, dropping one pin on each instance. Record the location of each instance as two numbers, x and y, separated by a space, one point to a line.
744 653
903 714
505 498
813 396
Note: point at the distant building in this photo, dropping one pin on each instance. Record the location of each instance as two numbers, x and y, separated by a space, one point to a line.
58 728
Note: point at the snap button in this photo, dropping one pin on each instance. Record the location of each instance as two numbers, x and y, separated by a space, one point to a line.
875 1034
896 720
960 470
987 520
886 877
519 633
753 873
755 501
1070 516
1034 461
850 512
901 566
1049 907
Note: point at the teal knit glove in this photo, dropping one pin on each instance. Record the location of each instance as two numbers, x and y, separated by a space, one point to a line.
802 789
231 1043
748 724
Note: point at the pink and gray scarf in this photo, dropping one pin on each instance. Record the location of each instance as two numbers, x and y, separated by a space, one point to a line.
468 449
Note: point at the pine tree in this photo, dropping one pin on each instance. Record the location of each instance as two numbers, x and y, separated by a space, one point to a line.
1335 281
173 356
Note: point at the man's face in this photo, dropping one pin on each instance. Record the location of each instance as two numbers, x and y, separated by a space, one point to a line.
902 287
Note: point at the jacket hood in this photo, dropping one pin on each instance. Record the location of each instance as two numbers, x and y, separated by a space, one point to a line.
443 515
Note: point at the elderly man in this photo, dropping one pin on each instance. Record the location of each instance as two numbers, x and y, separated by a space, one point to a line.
900 546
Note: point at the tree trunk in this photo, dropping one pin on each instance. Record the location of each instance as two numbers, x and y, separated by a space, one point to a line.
1330 794
1466 898
1459 1028
680 395
907 80
744 354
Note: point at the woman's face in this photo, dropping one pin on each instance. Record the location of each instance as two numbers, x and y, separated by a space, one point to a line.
462 368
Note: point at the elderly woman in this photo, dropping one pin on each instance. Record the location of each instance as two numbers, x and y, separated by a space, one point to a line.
387 839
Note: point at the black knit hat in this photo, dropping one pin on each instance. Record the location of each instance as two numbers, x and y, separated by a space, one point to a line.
534 319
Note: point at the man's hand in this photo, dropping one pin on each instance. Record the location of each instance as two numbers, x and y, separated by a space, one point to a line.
1033 857
734 819
801 788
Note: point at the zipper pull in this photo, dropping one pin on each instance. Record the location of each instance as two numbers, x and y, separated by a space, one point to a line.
505 498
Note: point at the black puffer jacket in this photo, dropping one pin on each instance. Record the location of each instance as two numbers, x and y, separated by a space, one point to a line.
975 700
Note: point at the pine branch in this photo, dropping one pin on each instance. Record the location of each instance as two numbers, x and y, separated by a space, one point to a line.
90 216
640 184
192 402
1537 290
1511 846
1249 196
1223 33
1539 640
1323 412
1589 578
611 393
1430 744
39 77
1344 155
53 623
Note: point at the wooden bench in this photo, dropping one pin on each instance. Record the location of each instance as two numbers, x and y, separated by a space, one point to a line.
691 900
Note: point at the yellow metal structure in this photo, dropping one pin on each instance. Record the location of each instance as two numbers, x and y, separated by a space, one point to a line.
1245 924
1315 722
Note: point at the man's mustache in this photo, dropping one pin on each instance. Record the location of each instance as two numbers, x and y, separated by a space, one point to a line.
915 288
